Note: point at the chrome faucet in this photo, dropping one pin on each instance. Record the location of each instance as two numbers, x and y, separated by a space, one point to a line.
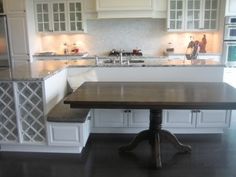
96 60
121 58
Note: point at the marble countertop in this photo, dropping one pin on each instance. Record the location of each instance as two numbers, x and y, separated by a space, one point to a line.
51 54
41 70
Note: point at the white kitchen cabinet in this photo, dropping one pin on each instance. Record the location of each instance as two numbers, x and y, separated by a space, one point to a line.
59 16
213 118
131 8
110 118
68 134
179 118
178 121
121 118
90 9
50 16
18 38
196 119
210 14
42 16
15 6
193 15
175 15
138 118
17 27
230 8
75 16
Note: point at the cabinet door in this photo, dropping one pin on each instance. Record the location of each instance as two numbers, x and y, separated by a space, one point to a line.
59 16
75 16
110 118
193 14
15 6
175 15
29 96
230 8
213 118
139 118
68 134
210 20
42 17
8 123
179 118
18 38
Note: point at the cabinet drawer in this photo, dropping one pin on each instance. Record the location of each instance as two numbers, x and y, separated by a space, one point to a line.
68 134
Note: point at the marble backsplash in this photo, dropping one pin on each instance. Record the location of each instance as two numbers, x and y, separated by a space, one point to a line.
150 35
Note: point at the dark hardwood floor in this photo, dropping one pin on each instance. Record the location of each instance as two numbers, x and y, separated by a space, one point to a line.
212 156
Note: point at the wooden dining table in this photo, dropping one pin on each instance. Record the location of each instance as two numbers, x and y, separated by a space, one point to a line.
154 96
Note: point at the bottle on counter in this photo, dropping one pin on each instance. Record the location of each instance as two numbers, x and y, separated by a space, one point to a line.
65 48
203 44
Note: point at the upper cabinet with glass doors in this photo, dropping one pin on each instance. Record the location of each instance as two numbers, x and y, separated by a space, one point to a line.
59 16
197 15
176 14
75 16
211 13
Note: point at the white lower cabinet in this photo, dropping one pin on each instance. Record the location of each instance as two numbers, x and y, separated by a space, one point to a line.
178 118
68 134
196 121
121 118
213 118
138 118
177 121
110 118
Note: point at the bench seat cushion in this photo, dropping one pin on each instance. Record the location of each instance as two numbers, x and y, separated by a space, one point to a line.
63 113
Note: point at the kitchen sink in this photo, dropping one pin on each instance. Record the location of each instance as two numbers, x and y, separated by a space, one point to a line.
110 61
132 61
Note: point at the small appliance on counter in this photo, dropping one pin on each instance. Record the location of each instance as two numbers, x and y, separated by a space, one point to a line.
192 50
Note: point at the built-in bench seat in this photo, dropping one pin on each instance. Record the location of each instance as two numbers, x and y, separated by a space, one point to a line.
68 127
63 113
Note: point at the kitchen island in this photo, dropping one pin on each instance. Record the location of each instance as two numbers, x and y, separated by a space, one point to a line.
30 91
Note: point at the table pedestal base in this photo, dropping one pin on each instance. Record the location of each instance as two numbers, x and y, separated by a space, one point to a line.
155 135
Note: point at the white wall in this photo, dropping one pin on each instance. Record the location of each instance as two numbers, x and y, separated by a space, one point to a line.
148 34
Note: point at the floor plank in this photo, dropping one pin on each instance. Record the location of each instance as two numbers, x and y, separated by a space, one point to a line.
211 156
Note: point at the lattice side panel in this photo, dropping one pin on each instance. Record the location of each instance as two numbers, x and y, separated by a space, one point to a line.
30 98
8 124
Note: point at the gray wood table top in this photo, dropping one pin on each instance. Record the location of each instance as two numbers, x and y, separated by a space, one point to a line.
154 95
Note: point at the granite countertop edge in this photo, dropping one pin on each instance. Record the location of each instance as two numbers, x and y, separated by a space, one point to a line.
45 73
